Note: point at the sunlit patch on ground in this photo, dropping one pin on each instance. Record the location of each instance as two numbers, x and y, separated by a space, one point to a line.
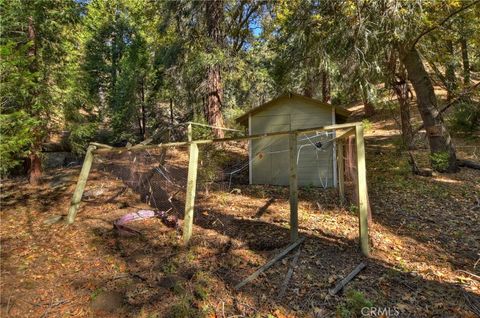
425 243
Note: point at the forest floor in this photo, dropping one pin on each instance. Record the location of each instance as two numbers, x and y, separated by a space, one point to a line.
425 238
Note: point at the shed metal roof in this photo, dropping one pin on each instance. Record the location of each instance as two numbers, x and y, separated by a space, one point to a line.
243 120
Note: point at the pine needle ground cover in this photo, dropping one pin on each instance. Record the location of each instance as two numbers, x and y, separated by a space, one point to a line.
424 237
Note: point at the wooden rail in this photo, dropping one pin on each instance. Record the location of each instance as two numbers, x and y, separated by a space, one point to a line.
347 130
106 148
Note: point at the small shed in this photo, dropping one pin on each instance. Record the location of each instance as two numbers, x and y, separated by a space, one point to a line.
269 157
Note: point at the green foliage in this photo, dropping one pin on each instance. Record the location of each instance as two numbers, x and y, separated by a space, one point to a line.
203 283
466 117
81 135
35 42
354 303
96 293
387 105
15 139
169 268
184 308
439 160
367 124
117 65
353 209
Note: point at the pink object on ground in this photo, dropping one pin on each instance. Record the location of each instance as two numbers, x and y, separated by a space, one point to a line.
141 215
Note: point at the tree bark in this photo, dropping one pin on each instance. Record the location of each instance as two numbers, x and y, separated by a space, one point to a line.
34 168
143 128
400 86
465 60
369 108
34 163
115 53
438 135
214 102
171 112
450 79
326 89
113 70
308 88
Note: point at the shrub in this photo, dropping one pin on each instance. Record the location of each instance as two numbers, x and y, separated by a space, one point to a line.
16 137
439 161
81 135
367 124
466 116
353 305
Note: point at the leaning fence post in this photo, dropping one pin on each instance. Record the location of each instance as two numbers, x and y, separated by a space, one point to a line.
293 188
189 132
191 188
80 187
362 190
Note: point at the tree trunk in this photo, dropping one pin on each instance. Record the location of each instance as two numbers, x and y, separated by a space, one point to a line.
308 88
171 112
311 83
171 129
115 53
213 107
34 169
450 79
113 70
466 61
369 108
143 110
400 87
34 164
326 95
438 136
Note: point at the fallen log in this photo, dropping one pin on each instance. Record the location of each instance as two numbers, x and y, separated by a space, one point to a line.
347 279
468 163
269 263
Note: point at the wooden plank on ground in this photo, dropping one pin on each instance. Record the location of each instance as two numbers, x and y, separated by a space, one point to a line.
269 263
289 275
347 279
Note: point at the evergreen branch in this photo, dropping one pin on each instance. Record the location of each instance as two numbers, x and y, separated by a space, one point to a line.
442 22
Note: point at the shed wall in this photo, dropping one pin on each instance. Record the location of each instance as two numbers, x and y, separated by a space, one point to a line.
270 157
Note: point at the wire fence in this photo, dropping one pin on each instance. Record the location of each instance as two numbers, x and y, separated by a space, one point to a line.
159 175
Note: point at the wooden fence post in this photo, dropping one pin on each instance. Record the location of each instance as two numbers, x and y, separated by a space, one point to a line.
80 187
293 188
362 190
189 132
191 188
341 171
